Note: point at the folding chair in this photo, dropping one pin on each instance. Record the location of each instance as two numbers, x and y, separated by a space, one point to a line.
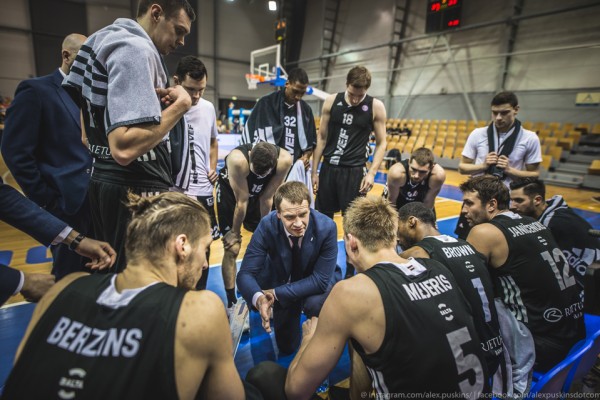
585 364
592 325
592 329
553 381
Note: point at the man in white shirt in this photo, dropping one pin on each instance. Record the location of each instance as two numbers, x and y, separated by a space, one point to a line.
504 148
201 121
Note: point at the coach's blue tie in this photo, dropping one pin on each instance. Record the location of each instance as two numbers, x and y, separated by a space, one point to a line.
296 264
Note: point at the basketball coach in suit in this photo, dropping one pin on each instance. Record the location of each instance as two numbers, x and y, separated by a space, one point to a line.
42 146
290 264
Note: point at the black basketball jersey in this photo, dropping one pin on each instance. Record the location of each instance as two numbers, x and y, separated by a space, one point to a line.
430 343
290 130
409 192
471 273
536 283
348 132
571 234
152 169
256 184
82 349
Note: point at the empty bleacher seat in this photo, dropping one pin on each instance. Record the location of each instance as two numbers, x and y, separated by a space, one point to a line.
448 151
544 133
566 143
554 126
594 168
555 152
548 141
584 128
546 161
573 134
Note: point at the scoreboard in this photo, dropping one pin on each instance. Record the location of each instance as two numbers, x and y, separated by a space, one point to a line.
443 15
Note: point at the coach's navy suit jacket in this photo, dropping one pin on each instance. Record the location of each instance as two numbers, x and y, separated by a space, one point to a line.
41 145
267 263
28 217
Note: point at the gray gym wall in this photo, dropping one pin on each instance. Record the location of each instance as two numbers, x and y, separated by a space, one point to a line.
553 57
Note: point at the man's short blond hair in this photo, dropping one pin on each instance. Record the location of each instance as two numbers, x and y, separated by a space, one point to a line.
373 221
157 219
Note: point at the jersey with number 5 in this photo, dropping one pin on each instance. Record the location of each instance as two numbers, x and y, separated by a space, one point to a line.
430 343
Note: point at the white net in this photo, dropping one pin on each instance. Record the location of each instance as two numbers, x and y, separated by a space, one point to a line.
252 81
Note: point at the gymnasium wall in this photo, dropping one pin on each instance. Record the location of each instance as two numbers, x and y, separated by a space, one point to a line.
553 57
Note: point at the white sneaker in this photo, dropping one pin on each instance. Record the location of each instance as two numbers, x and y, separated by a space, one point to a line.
246 327
234 309
229 311
238 318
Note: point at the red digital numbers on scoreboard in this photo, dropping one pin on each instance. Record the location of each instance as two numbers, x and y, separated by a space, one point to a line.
443 15
437 6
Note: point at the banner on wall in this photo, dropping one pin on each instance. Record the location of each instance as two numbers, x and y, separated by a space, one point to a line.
587 99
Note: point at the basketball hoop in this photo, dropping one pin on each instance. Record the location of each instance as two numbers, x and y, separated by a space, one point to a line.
253 80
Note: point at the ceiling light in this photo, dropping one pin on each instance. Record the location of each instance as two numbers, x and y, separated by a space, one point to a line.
272 5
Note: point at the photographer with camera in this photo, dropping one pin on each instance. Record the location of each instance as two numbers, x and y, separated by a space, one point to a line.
503 149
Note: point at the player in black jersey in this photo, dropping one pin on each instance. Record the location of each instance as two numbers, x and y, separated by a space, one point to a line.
127 110
135 334
406 319
420 239
284 119
528 197
244 192
416 179
347 121
417 234
530 272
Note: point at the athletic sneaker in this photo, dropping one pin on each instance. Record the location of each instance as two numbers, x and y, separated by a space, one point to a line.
239 308
238 318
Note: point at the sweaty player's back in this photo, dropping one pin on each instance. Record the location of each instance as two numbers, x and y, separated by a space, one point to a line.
473 278
123 348
536 282
430 343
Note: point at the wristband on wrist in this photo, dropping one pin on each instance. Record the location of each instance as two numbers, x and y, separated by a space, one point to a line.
75 243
